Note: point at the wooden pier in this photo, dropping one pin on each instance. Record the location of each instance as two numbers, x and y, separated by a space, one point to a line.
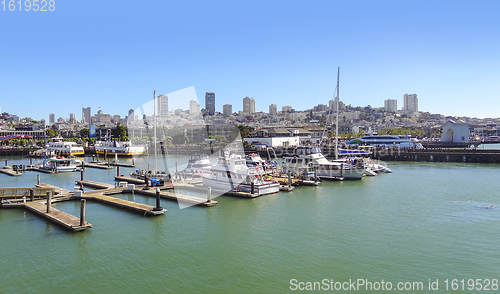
110 189
182 199
61 218
35 200
10 172
95 165
121 203
140 182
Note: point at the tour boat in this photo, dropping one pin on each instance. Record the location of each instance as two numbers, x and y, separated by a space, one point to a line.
232 174
120 148
59 164
65 148
387 141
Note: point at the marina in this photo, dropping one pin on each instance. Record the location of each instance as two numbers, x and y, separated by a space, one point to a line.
375 224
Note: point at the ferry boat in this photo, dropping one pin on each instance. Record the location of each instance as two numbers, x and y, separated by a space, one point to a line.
64 148
386 140
120 148
198 163
232 174
311 156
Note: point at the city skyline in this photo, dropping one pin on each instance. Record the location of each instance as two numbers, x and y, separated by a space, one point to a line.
76 56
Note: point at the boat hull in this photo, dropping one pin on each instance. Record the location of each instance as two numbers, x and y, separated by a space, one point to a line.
260 188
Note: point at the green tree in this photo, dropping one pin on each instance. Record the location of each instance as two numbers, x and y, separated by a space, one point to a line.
22 142
84 133
51 132
220 139
119 132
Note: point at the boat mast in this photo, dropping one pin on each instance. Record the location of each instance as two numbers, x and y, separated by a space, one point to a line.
337 119
154 117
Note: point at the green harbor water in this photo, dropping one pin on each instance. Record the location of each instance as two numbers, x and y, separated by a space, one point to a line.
424 222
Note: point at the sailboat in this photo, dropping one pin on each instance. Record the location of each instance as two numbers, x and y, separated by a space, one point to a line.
356 167
152 175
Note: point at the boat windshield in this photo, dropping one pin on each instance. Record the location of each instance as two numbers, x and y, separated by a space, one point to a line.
315 150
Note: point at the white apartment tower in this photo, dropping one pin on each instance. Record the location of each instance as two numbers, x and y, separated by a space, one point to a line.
162 106
391 105
248 105
227 110
273 110
194 107
410 103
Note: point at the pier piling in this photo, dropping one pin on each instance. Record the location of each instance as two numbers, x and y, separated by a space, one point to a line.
158 207
38 179
81 171
209 194
82 212
117 170
49 201
289 178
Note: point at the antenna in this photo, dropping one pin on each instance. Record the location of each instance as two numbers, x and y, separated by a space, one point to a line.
337 100
154 117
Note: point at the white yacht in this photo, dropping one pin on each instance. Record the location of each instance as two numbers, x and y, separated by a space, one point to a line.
120 148
198 164
311 156
65 148
232 174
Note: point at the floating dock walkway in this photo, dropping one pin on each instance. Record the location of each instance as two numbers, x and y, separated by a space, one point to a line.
61 218
110 189
35 200
10 172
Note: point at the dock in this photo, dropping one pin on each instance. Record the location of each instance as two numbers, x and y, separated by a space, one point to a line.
201 188
140 182
61 218
181 199
101 195
10 172
140 189
121 203
103 165
35 200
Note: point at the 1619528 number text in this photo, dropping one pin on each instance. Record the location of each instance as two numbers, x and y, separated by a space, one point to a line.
27 5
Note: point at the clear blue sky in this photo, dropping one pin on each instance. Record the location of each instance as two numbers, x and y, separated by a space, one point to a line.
112 54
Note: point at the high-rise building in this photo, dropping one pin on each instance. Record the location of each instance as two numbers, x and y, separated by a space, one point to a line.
286 108
86 114
273 110
410 103
194 107
72 118
391 105
52 119
227 110
210 102
248 105
162 106
252 105
332 106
